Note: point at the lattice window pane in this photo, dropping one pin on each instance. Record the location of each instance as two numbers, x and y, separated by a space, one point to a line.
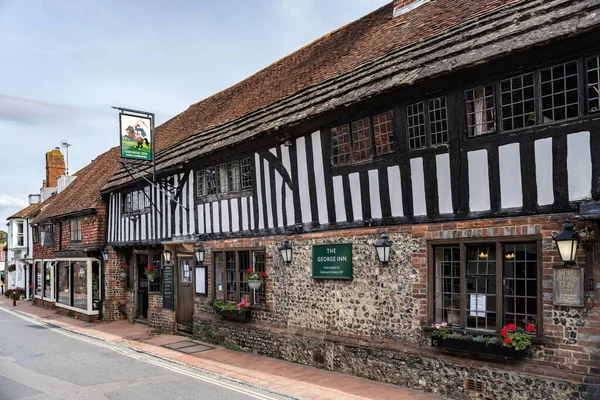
223 182
559 92
384 133
211 180
518 102
593 83
520 290
481 287
415 115
447 285
232 279
438 120
480 110
147 198
341 148
200 183
361 138
259 266
246 172
234 176
245 264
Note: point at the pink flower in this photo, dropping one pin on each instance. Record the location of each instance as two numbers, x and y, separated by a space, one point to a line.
444 324
437 326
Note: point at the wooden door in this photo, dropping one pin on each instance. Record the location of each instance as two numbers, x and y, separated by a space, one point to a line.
141 262
185 294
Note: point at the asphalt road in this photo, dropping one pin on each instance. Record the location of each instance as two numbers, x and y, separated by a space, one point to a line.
38 361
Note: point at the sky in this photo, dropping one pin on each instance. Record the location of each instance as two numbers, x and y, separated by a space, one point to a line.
64 63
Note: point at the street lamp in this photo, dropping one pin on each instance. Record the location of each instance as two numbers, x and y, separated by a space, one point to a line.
566 242
199 252
383 245
167 256
286 251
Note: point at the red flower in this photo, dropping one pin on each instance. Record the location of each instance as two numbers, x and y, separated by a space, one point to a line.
249 270
511 327
120 265
530 328
507 340
264 274
504 331
149 268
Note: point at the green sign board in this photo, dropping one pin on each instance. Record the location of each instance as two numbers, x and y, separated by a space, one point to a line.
136 137
332 261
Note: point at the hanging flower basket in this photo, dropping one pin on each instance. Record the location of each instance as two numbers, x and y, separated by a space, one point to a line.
254 284
254 279
151 273
123 271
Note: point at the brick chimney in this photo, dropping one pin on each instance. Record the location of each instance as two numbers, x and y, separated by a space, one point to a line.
55 167
404 6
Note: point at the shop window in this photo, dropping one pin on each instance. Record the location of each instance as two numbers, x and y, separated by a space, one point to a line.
427 123
473 303
48 280
95 284
230 268
64 283
233 178
76 230
360 139
592 66
480 110
137 201
559 92
79 279
39 283
79 283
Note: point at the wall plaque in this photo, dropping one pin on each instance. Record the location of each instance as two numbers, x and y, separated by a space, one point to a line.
168 281
568 287
332 261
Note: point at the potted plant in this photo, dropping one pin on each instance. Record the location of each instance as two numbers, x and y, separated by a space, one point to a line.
11 268
255 278
123 270
151 273
232 311
511 343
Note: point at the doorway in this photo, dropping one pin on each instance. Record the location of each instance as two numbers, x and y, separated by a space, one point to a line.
185 295
141 262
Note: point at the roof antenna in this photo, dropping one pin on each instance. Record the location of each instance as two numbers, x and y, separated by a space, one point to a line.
66 145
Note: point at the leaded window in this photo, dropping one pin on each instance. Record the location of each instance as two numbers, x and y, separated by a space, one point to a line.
427 123
137 201
415 114
517 96
231 177
75 230
481 118
559 92
384 133
361 136
593 83
438 121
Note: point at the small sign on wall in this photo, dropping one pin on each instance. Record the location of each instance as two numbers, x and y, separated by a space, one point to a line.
200 280
332 261
568 286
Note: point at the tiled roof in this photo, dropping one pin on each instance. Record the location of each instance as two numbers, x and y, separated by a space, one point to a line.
84 192
26 211
368 56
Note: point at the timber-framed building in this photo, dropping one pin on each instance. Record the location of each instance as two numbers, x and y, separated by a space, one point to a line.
468 131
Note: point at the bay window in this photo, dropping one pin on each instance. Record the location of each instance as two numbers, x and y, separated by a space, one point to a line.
484 286
79 283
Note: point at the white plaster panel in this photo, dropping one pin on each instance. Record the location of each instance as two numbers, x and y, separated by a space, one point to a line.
511 193
259 182
444 183
215 219
289 194
267 184
479 182
418 186
201 219
207 218
355 193
543 171
338 195
224 216
395 187
235 215
579 166
319 177
303 180
374 194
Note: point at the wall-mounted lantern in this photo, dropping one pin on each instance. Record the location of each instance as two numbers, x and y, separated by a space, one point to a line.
105 254
286 251
167 256
567 242
383 245
199 253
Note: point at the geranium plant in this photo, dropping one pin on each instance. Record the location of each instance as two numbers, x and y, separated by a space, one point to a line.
151 272
517 340
123 268
242 306
252 275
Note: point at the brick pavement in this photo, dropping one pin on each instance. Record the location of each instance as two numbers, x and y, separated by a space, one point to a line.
282 376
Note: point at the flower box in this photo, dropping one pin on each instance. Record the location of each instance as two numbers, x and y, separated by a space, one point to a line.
469 346
234 315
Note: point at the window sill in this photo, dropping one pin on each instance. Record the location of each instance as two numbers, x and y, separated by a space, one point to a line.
80 310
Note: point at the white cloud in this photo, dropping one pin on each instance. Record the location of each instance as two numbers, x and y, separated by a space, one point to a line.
30 111
11 202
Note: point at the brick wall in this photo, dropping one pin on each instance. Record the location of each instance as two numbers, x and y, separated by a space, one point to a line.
384 309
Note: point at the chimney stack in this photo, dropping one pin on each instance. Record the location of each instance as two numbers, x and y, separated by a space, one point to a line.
55 167
404 6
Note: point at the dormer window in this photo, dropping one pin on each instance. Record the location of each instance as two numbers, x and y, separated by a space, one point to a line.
404 6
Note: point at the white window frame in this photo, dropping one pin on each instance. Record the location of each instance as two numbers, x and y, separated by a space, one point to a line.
88 263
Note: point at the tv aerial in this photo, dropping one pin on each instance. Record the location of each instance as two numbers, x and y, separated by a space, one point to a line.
66 145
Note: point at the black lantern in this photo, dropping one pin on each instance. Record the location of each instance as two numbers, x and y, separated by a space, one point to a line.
286 251
199 252
166 256
105 254
566 243
383 245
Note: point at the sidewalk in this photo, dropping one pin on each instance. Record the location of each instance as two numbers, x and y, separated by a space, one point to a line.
282 376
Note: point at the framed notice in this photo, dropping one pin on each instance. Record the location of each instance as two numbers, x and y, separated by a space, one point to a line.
477 305
201 280
135 137
568 286
332 261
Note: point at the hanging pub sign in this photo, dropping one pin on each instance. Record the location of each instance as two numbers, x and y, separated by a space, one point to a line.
136 137
568 287
332 261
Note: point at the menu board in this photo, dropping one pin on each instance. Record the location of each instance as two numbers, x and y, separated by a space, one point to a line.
168 287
